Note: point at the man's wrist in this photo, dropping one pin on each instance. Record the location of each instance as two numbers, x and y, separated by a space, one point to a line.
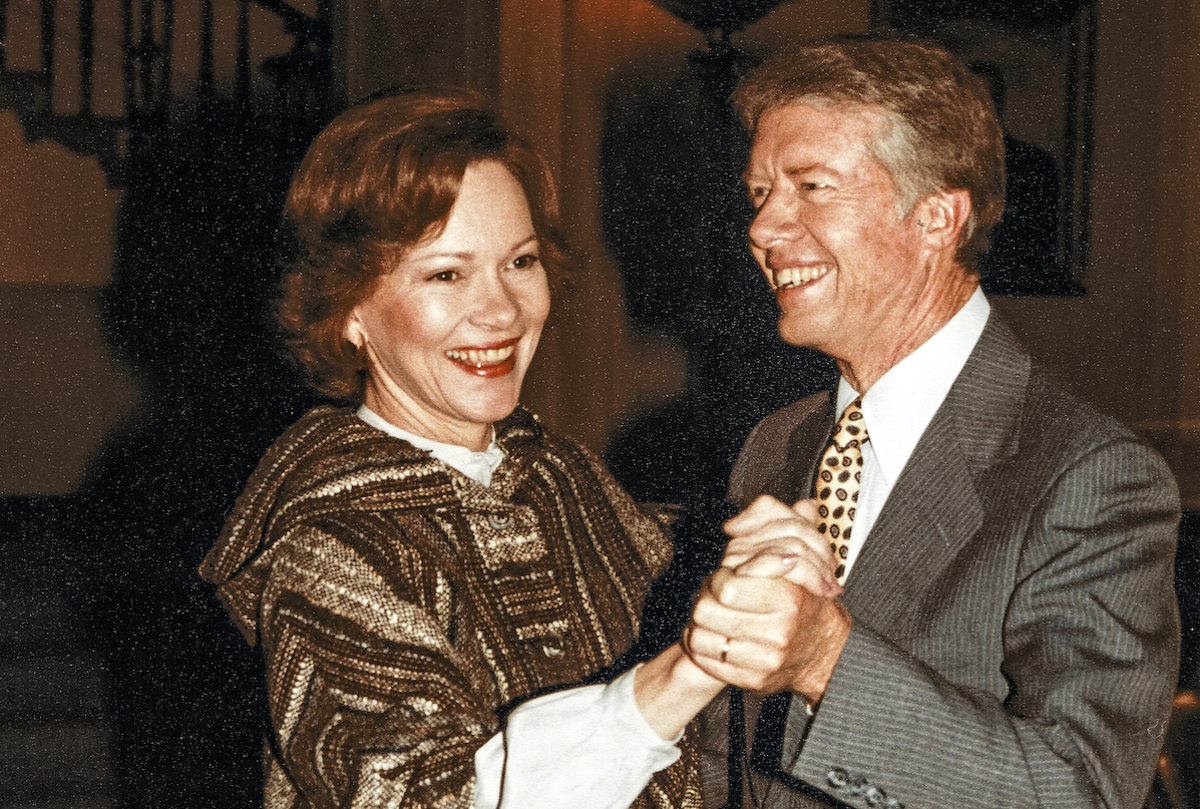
813 681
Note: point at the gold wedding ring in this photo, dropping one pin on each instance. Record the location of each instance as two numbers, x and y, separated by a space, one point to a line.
725 650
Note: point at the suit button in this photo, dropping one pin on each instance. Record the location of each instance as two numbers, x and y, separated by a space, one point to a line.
875 796
554 647
894 804
837 777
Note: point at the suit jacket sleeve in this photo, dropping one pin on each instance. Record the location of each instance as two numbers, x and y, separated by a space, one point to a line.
1068 710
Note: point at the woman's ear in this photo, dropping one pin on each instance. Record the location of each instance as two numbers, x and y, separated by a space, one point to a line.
353 331
943 216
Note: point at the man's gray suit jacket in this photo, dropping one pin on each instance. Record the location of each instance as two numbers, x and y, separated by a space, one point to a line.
1015 637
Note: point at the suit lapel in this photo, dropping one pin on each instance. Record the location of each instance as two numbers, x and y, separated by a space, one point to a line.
935 509
805 446
931 512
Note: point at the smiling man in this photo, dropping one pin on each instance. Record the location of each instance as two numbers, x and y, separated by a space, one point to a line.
982 611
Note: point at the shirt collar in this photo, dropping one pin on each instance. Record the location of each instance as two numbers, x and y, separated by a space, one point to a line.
899 406
478 466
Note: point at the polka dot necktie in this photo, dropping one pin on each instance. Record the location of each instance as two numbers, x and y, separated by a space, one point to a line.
838 480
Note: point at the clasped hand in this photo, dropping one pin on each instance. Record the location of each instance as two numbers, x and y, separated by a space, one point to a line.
769 618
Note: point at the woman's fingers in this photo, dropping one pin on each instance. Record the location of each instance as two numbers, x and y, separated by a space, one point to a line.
807 509
743 627
768 525
762 510
749 594
771 563
795 551
818 576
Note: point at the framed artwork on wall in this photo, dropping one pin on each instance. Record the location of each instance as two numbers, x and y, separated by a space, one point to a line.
1038 59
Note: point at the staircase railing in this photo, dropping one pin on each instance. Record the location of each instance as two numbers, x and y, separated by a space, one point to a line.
53 89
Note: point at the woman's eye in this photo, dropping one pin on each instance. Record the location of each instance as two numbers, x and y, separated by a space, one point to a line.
526 261
444 275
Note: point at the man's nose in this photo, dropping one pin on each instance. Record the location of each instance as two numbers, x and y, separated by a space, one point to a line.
773 222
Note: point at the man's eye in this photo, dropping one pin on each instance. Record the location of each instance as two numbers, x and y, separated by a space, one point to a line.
814 186
526 261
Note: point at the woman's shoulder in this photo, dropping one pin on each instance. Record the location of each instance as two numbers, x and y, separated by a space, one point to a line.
331 456
330 435
318 425
329 462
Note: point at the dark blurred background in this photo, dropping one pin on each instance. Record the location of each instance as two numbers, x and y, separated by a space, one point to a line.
145 164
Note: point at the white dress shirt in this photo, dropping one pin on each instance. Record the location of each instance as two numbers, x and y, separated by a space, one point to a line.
899 407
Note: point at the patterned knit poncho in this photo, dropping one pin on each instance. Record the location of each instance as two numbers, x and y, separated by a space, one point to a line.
399 604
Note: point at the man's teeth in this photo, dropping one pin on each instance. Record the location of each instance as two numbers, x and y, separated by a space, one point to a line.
798 276
474 356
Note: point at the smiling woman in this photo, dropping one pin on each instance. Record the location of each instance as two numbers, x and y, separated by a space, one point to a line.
412 565
449 333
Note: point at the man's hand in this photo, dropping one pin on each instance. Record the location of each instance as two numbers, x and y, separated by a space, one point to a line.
768 619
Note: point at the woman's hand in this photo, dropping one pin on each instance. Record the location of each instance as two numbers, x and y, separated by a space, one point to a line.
671 689
768 619
755 619
767 634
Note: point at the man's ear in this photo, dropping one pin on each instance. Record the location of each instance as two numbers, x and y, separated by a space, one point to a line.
943 216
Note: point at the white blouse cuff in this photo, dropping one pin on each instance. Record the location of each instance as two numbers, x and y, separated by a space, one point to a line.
587 747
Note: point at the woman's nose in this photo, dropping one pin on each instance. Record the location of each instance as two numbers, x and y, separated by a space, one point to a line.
495 305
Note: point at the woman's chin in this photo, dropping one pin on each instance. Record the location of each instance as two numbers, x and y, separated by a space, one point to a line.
489 409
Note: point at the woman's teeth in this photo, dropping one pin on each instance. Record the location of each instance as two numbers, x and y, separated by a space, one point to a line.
477 357
799 276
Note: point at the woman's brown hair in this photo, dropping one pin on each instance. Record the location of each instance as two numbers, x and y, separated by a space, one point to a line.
379 179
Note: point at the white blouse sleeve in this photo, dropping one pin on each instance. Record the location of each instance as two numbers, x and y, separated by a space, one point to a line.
587 748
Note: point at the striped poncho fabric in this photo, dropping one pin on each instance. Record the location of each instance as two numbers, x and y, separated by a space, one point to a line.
400 605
